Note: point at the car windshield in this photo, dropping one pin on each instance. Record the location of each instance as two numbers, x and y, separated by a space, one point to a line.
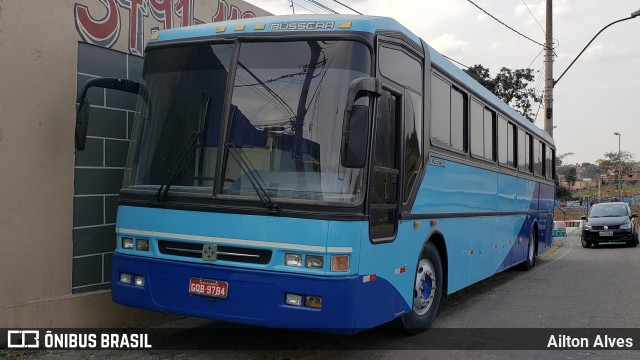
608 210
286 109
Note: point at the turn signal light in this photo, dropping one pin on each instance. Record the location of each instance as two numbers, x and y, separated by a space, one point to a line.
339 263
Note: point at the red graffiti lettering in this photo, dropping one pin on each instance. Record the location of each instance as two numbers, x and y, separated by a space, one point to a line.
162 10
102 32
248 15
137 11
184 9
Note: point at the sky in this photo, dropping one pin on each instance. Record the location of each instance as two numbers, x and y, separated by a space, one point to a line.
599 94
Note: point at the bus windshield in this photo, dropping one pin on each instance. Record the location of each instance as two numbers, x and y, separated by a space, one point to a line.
283 125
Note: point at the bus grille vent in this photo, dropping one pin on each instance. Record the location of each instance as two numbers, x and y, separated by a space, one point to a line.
225 253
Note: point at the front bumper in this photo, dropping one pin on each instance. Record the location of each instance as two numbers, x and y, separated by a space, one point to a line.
254 297
593 236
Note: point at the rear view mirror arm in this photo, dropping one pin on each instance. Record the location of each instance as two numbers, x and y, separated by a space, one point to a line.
82 112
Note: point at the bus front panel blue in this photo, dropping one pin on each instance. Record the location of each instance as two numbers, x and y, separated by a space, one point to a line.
351 300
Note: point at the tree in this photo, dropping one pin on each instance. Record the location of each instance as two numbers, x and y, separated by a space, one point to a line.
561 191
571 176
590 171
613 162
509 85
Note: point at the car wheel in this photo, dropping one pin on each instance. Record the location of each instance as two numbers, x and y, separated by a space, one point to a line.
530 262
634 242
585 244
427 292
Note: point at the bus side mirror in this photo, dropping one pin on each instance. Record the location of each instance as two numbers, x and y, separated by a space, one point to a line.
82 114
355 130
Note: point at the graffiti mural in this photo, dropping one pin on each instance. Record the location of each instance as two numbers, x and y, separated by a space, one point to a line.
102 22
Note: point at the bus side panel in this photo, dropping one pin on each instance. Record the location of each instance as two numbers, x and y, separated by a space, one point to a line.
545 226
477 246
388 271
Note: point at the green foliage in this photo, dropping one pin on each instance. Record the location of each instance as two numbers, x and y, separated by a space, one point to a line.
571 176
614 161
509 85
590 171
562 192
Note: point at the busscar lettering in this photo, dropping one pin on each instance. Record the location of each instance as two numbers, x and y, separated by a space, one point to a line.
436 162
315 25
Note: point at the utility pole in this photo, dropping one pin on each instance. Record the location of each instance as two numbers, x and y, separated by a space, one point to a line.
548 72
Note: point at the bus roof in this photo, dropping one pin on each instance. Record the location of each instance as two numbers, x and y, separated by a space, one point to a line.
346 23
287 23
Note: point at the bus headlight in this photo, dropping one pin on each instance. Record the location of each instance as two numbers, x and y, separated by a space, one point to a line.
339 263
293 259
142 244
127 243
314 262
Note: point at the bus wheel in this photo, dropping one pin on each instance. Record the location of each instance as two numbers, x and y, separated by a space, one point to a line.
531 252
427 291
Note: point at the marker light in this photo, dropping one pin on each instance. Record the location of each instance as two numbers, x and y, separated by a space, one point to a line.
313 301
339 263
260 27
293 300
127 243
142 244
293 259
314 262
345 25
138 280
221 29
239 27
125 278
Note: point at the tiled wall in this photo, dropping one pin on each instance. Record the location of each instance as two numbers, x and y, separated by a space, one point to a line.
100 167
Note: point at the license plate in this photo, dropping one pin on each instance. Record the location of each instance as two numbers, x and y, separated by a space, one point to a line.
210 288
606 233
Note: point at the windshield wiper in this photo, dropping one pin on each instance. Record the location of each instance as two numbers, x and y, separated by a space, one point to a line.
176 165
249 170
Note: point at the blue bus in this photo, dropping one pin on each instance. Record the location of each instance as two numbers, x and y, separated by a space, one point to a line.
327 173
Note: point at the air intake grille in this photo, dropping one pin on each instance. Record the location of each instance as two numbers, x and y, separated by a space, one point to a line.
226 253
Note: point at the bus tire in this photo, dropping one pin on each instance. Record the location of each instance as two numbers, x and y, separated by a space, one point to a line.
532 249
427 292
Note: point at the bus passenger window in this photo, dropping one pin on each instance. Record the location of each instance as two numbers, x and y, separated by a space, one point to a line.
412 140
440 112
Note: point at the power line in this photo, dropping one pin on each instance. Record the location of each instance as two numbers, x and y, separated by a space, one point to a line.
300 6
534 17
507 26
350 8
457 62
535 58
322 6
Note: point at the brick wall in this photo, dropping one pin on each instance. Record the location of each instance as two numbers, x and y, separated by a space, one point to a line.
100 168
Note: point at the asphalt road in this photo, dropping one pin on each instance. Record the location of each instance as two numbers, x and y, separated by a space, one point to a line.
570 287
